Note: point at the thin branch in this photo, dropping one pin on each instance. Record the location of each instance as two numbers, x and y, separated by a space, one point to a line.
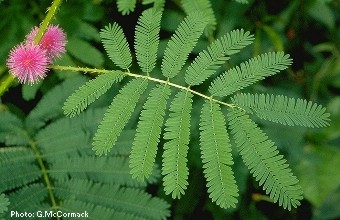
100 71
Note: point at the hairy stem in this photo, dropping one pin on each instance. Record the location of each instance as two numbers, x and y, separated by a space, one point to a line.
45 176
100 71
5 84
50 14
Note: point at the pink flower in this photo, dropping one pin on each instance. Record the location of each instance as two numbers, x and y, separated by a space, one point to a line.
53 41
28 62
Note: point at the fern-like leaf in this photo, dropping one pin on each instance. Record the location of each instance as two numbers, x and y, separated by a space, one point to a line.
117 116
216 156
29 198
97 211
90 92
181 43
208 61
126 6
110 170
264 161
249 72
177 132
283 110
144 148
116 45
21 162
204 6
147 39
128 200
12 130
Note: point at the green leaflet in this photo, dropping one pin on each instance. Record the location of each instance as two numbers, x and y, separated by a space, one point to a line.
216 156
283 110
90 92
126 6
264 161
204 6
144 148
116 45
117 116
249 72
177 132
181 44
147 39
208 61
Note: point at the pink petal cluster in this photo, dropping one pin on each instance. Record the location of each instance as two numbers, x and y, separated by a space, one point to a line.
53 41
29 62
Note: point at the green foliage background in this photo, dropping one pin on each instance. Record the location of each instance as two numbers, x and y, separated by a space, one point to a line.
307 30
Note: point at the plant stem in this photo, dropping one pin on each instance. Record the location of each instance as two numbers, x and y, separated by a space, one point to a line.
50 14
45 176
100 71
44 24
4 85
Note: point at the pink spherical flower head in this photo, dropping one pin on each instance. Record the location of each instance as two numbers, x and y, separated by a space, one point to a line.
53 41
28 62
